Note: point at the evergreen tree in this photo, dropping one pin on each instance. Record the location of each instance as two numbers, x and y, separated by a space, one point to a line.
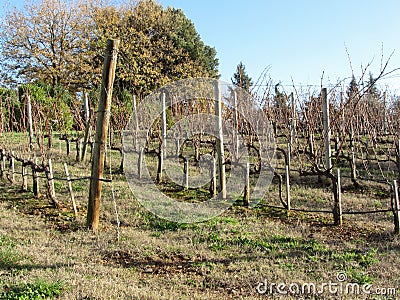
352 90
371 86
241 79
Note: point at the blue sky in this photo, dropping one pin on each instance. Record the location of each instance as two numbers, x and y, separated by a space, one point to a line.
296 39
299 39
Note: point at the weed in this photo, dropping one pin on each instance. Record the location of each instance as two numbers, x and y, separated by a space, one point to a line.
8 256
359 277
158 224
32 291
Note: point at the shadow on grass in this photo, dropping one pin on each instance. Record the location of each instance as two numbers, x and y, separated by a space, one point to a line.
173 264
12 266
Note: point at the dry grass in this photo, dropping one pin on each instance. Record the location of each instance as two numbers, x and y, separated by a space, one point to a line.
224 258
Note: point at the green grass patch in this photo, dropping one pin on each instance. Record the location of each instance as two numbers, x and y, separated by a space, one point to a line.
40 289
9 257
155 223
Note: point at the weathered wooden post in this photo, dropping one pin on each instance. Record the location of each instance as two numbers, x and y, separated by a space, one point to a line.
398 159
24 177
246 197
337 209
327 130
164 123
235 126
136 120
293 124
71 192
86 107
29 119
396 207
78 150
68 145
51 188
220 141
3 164
178 146
287 181
140 162
12 166
186 171
311 143
35 179
213 183
103 118
164 139
88 130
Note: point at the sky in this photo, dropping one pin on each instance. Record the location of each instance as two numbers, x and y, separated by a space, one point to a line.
298 41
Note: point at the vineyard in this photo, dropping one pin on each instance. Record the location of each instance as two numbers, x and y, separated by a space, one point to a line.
330 199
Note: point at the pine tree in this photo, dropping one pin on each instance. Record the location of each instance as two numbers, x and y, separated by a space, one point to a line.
352 90
241 79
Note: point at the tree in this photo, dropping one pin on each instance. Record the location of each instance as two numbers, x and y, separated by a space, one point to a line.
47 41
352 90
372 89
241 79
157 45
61 43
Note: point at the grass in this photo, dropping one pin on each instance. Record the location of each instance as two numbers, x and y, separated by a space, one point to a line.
45 253
9 257
40 289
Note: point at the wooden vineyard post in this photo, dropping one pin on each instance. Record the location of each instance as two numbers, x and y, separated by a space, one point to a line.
220 141
293 124
287 180
186 173
140 162
160 164
50 180
213 183
398 159
71 192
12 167
88 127
86 107
164 123
136 120
311 143
68 145
246 198
3 164
164 139
35 179
99 149
396 207
24 177
327 130
78 150
29 119
178 146
235 126
353 173
337 209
